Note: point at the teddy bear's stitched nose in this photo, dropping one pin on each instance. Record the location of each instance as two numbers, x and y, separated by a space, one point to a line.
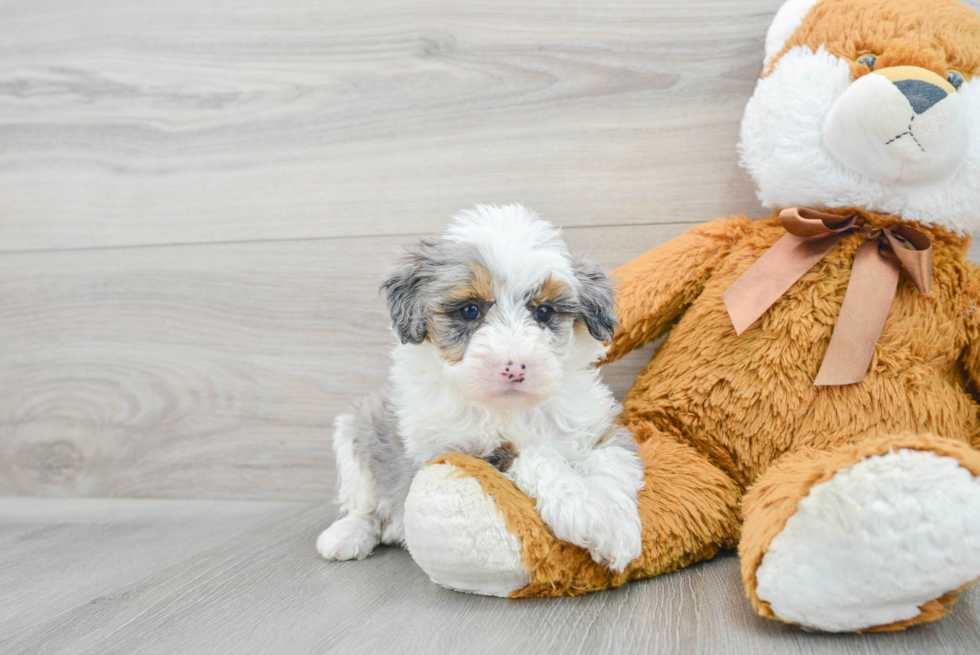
921 95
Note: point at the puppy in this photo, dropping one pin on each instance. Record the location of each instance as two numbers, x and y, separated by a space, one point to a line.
500 328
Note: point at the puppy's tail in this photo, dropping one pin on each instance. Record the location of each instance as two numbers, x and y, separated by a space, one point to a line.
356 493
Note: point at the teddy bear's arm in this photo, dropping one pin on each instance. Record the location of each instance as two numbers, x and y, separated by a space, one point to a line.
655 288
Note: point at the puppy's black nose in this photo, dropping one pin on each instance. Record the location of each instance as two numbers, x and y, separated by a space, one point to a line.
921 95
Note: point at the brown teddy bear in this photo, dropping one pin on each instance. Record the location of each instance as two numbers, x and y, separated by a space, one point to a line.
815 402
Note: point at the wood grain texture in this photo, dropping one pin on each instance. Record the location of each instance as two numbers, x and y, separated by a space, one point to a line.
240 120
143 576
206 371
55 556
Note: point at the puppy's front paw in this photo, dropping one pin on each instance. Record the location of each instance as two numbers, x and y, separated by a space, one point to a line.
609 530
619 542
352 537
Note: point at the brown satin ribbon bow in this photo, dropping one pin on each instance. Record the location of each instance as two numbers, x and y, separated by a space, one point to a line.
870 291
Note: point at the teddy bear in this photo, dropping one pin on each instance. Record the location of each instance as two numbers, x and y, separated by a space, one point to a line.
814 405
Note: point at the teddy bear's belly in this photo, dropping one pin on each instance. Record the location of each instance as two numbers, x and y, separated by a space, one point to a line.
745 400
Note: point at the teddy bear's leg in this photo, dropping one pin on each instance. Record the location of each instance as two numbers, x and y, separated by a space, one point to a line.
878 535
455 532
471 529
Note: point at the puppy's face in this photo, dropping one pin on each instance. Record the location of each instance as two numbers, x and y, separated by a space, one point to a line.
506 306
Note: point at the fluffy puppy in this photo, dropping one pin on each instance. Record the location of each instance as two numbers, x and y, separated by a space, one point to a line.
500 328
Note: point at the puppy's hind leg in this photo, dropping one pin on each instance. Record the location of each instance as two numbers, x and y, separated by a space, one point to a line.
355 535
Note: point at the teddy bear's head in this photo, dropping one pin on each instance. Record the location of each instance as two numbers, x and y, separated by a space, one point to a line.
872 104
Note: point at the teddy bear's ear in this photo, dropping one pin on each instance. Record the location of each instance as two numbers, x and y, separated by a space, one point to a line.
404 289
786 21
598 310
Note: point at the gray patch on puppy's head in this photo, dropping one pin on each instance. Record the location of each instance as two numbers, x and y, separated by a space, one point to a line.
598 307
423 281
404 289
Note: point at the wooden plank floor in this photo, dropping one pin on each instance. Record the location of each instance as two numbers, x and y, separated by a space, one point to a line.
197 200
163 576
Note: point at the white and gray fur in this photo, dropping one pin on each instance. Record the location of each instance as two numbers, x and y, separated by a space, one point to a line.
516 386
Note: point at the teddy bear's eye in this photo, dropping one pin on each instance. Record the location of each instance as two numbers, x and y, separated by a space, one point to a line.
868 60
954 78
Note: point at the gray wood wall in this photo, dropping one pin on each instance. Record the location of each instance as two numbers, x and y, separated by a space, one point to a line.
197 200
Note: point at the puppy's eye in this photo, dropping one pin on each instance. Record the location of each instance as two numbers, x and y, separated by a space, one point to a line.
470 313
868 60
954 78
543 314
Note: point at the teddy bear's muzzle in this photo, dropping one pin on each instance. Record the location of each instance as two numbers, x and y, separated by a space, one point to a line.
902 125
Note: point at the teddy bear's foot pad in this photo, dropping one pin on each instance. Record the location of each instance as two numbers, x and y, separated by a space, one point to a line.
455 533
876 542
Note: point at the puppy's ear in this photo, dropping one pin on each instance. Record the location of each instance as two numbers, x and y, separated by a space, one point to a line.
596 297
403 287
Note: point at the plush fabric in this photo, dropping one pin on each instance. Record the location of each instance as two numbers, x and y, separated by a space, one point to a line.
743 401
782 135
951 542
688 508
